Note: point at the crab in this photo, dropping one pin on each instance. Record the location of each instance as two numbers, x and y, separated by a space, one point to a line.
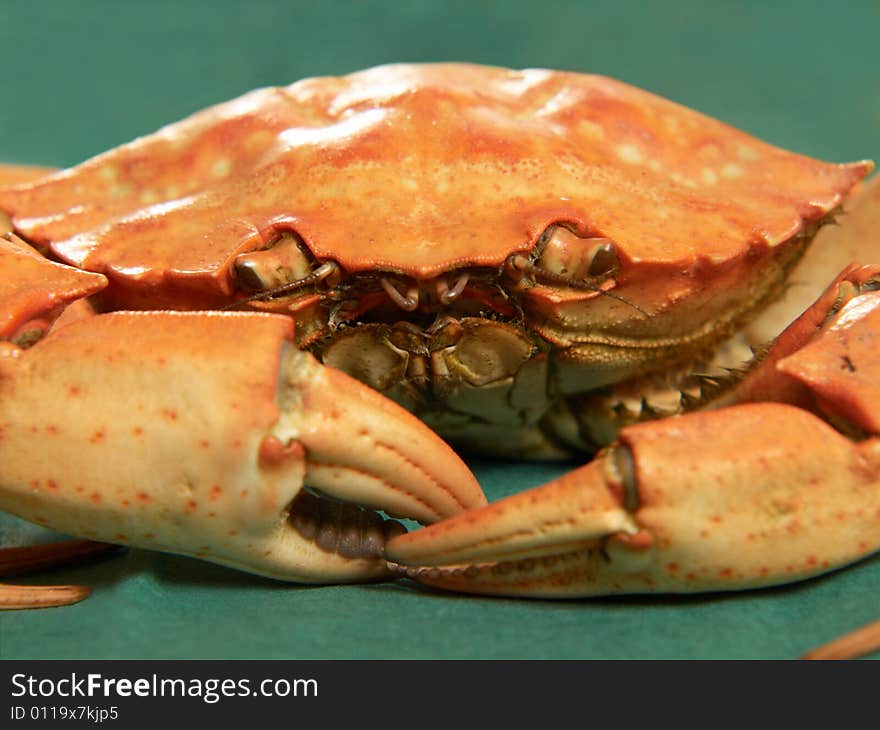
237 337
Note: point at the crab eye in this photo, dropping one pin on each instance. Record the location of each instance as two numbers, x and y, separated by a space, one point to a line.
570 256
282 262
603 259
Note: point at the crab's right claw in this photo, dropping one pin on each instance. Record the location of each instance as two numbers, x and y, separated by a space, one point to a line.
199 433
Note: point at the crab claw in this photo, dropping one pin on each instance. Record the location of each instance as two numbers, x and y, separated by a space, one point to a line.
197 433
671 508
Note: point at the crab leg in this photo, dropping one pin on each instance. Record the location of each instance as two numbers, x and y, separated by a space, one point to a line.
748 495
23 560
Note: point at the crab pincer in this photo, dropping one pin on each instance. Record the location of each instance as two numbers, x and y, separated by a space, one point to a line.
197 433
739 496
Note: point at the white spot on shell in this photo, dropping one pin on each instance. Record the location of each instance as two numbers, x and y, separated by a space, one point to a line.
671 123
221 168
682 180
708 176
630 153
731 170
108 173
149 196
747 153
591 129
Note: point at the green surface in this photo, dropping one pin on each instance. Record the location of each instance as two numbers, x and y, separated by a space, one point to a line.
83 76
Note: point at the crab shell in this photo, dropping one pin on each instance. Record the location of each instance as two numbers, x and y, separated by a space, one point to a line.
420 176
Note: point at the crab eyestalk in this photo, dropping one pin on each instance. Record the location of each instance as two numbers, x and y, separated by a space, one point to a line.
196 433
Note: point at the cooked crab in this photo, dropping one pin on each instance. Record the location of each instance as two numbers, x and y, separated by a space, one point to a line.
534 263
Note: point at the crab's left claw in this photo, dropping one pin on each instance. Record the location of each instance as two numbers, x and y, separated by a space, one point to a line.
670 509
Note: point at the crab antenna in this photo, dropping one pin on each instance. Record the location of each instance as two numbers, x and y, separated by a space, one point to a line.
408 303
521 263
447 294
319 274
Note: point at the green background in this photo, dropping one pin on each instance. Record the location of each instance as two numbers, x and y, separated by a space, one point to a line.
79 77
